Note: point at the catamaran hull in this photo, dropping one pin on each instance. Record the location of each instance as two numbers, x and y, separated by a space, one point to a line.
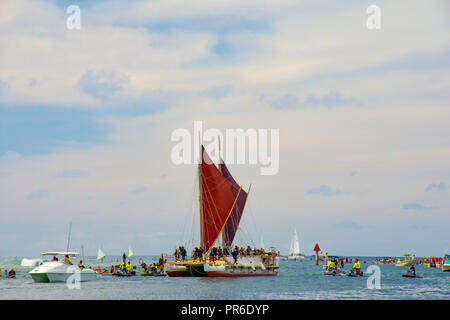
176 270
56 271
230 271
61 277
239 273
185 270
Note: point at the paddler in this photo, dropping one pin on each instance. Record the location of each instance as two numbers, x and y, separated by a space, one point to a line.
357 267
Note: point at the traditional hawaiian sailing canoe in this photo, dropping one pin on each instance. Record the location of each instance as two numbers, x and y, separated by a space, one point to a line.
222 203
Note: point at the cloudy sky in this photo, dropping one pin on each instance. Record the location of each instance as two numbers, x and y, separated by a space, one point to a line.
86 118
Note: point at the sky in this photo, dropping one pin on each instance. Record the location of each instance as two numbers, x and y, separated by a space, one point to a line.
86 117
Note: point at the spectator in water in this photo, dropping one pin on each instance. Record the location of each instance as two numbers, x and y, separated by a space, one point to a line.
12 273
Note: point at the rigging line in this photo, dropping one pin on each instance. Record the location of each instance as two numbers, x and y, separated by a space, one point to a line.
254 222
191 232
183 230
194 199
193 209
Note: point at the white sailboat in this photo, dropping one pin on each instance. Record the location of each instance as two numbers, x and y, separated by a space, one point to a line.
294 250
100 254
130 253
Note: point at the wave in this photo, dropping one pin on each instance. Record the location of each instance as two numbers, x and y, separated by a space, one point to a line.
30 262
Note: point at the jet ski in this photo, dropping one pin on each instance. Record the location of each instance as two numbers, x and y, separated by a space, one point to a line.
333 272
354 273
411 276
411 273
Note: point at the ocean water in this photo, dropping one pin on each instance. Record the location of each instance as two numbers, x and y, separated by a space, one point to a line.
296 280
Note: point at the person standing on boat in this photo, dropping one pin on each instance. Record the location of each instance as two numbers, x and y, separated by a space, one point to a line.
67 259
235 254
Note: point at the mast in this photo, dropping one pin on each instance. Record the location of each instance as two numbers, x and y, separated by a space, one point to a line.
220 169
200 159
68 238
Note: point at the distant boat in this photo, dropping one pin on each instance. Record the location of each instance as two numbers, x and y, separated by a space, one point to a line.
294 250
130 252
404 262
446 265
100 254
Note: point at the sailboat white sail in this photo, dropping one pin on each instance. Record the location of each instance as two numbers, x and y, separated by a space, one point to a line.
294 250
100 254
130 253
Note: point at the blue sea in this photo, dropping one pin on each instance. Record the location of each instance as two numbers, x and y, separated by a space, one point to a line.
296 280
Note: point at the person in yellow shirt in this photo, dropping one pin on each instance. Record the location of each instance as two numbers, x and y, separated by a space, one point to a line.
128 267
357 267
67 259
331 267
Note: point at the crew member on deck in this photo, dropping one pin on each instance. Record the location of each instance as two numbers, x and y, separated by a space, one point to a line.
67 259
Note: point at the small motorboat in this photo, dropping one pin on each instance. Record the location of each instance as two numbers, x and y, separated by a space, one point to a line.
405 262
60 271
446 264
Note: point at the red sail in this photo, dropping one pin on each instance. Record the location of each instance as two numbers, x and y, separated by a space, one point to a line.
229 232
218 199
